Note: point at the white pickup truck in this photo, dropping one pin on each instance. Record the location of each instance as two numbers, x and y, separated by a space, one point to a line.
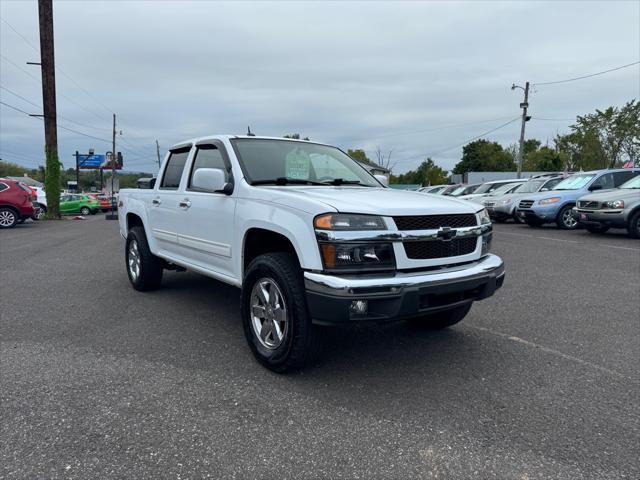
310 237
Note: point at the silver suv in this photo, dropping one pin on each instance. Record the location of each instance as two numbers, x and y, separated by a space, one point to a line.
617 208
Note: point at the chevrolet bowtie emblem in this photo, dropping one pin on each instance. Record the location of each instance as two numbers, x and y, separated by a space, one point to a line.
446 233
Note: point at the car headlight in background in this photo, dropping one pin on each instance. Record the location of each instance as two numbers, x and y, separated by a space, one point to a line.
549 201
484 216
506 201
345 221
357 256
615 204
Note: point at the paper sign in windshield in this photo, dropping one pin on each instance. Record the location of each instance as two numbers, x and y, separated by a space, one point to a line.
297 164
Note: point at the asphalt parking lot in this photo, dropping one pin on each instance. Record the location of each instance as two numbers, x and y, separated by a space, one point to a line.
100 381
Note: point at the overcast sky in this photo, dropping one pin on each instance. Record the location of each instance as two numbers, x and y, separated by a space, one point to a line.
418 78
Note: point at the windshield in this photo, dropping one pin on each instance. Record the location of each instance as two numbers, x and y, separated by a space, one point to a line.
504 188
633 183
574 182
529 187
282 162
488 187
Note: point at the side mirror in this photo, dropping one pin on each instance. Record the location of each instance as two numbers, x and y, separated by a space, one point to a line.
211 180
544 189
382 179
595 187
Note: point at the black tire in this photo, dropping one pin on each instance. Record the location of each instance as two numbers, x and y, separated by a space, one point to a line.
596 228
533 222
85 211
300 340
634 225
440 320
565 221
8 217
517 219
499 220
150 268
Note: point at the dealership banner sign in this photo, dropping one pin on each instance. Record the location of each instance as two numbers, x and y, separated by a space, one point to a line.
96 162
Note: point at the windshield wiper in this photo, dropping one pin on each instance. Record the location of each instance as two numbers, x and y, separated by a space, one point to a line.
286 181
342 181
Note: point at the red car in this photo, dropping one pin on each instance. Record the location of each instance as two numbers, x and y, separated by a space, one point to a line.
104 200
15 203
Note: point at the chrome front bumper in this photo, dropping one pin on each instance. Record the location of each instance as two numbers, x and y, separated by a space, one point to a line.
402 294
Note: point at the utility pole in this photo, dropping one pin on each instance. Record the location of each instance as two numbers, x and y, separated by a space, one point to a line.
47 61
158 153
524 105
114 215
77 171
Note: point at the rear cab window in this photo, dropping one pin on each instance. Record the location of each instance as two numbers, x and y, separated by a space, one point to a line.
174 168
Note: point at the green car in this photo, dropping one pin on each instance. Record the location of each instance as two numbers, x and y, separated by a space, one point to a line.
77 203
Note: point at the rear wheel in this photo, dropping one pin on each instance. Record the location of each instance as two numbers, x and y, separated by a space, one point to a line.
439 320
85 211
634 225
143 267
565 220
274 313
8 217
596 228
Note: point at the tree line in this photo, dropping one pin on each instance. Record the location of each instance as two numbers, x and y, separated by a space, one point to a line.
607 138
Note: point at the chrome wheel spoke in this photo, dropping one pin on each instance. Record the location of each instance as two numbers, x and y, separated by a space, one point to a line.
268 313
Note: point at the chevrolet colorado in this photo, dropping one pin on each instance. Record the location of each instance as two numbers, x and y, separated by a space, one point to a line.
310 237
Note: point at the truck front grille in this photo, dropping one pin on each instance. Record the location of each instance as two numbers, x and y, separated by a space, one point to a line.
440 249
430 222
525 204
588 204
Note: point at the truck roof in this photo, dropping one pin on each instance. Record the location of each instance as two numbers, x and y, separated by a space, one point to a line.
199 140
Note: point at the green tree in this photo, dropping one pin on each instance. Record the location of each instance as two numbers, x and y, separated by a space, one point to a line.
428 173
360 156
604 139
294 136
485 156
543 159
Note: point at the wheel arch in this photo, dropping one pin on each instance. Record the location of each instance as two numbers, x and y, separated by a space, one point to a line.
260 240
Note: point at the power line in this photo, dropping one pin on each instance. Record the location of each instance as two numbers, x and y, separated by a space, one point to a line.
431 129
461 144
37 50
553 119
40 107
587 76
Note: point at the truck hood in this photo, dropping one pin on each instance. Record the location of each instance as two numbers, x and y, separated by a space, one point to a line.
377 201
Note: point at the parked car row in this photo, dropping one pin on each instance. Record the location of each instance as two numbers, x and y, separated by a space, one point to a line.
568 201
18 202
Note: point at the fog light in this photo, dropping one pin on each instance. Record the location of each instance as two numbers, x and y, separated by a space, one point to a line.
359 307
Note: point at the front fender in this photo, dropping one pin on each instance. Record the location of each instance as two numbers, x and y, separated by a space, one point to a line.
294 224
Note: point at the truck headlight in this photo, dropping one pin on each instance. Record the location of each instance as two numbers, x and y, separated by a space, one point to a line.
347 221
484 216
615 204
357 256
548 201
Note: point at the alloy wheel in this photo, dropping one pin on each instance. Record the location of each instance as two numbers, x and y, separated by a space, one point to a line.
7 218
133 260
568 220
268 313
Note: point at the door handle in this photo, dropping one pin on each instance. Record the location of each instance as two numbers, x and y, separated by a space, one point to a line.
185 203
156 201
